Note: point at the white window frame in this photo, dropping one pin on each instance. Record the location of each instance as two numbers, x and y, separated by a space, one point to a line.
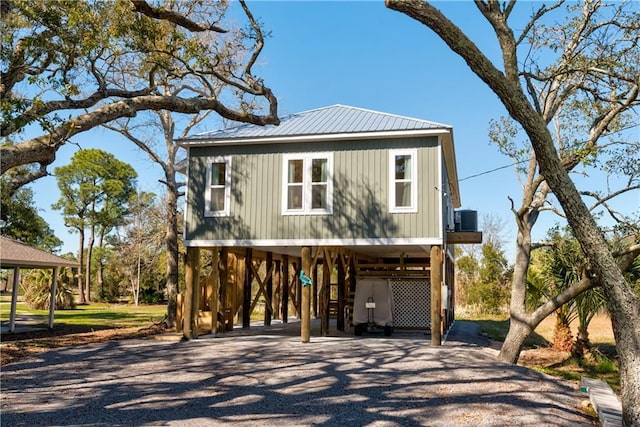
413 208
227 187
307 159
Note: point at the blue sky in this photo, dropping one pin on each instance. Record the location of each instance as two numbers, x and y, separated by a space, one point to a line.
365 55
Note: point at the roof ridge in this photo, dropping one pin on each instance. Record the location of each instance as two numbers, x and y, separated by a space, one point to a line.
368 110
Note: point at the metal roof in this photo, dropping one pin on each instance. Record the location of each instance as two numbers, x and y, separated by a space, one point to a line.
333 120
14 253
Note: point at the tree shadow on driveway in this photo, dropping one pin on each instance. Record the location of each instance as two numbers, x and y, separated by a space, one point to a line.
274 379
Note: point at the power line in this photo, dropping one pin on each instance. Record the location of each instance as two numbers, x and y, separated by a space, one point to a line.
631 126
492 170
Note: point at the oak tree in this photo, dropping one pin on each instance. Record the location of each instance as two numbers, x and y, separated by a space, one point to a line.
581 66
68 66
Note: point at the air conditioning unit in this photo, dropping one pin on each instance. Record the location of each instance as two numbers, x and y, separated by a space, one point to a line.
466 220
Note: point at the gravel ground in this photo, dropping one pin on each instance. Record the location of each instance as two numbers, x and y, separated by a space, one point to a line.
266 376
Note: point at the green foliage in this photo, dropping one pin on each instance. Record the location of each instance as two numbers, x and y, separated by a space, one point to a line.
69 66
484 284
36 285
21 220
95 189
555 269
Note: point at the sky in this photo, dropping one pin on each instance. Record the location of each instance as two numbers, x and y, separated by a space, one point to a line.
364 55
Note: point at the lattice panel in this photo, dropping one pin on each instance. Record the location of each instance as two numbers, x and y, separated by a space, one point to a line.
412 303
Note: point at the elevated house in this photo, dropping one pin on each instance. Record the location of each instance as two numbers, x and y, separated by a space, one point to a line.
339 193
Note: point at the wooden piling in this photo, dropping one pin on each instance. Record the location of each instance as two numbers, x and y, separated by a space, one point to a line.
341 293
314 289
268 309
436 295
277 289
191 274
285 289
226 292
305 324
215 291
325 292
248 279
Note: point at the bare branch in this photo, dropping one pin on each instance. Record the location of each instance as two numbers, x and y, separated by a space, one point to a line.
144 8
602 200
534 19
138 142
553 209
258 47
538 245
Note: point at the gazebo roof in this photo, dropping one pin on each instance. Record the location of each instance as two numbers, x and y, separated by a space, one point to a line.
14 253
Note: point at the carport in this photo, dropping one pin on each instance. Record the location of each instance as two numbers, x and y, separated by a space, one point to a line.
16 255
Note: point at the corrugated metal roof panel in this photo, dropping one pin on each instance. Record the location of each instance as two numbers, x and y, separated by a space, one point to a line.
335 119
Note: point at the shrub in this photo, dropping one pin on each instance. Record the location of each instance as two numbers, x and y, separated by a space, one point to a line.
36 286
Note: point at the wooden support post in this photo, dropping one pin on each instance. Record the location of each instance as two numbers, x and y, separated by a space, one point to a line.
299 286
268 308
436 291
341 293
325 293
452 301
52 301
314 290
225 295
179 308
352 288
305 324
277 289
215 291
285 289
14 299
248 279
191 274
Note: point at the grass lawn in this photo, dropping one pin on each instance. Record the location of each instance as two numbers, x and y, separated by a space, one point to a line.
538 355
89 317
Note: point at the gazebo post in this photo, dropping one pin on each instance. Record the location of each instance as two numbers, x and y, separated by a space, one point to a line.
14 298
52 301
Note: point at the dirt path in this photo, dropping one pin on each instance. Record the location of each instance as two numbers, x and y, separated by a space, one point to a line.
271 378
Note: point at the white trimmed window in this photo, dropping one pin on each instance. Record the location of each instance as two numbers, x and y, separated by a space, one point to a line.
403 181
307 184
218 191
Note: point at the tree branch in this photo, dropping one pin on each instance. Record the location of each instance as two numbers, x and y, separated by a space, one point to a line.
41 109
161 13
43 149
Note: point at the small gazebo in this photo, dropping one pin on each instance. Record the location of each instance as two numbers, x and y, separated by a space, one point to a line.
17 255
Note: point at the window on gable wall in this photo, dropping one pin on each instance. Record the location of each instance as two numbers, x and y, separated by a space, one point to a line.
403 181
218 192
308 184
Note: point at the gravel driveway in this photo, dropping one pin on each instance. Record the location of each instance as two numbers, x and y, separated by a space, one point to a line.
265 376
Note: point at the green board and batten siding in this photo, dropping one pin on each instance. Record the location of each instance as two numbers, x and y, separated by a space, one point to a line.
360 194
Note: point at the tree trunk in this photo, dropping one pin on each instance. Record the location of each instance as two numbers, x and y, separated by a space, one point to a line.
562 338
519 320
623 303
87 276
100 272
582 343
81 296
519 330
171 244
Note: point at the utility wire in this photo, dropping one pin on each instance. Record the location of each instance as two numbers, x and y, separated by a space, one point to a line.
525 161
492 170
